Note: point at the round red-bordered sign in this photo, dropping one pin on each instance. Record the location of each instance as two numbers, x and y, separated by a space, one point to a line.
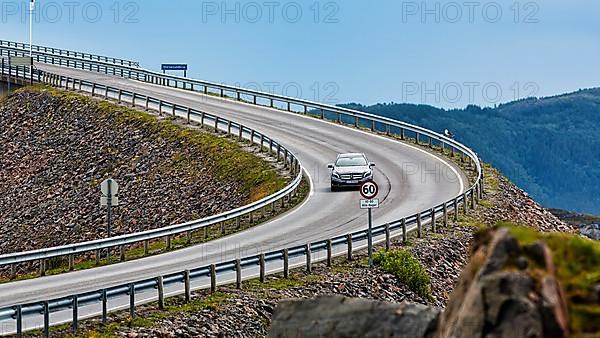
369 190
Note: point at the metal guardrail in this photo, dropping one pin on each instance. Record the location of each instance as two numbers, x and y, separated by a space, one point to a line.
242 132
65 52
401 227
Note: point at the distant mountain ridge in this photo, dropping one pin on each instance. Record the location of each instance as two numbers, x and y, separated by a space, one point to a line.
550 146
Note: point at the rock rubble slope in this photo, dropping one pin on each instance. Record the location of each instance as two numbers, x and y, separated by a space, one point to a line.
56 148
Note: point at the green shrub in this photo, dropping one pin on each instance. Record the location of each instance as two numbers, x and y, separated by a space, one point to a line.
407 268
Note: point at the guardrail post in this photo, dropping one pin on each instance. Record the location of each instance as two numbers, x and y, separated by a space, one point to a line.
278 152
250 217
188 236
402 133
237 222
160 104
262 140
355 121
122 253
404 230
222 93
372 125
206 232
419 225
271 103
222 225
168 242
286 263
465 204
131 300
417 138
13 271
238 273
329 252
228 127
251 136
187 286
430 142
240 132
161 292
387 237
433 225
254 99
106 92
120 95
322 114
339 118
71 262
174 109
289 107
305 110
387 130
42 267
308 258
456 209
75 305
261 263
473 200
147 102
46 312
445 208
19 319
104 307
217 124
349 240
93 88
146 247
213 278
451 151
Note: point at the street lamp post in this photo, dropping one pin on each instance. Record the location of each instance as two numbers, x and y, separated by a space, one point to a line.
31 8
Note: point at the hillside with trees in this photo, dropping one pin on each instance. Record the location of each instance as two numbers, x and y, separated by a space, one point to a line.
549 146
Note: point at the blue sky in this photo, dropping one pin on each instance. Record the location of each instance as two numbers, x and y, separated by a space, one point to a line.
444 53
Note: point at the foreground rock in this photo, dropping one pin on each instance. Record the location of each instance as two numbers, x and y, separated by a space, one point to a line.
497 296
337 316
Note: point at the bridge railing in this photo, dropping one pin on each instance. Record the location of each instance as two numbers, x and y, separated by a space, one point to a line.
246 267
69 53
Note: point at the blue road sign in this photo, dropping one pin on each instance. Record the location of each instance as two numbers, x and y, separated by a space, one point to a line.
174 66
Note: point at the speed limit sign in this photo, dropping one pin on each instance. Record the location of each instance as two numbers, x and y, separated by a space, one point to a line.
369 190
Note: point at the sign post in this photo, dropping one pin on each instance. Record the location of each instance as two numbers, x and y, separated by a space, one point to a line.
175 66
109 198
369 191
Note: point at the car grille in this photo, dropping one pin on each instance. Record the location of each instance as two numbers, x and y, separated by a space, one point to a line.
351 176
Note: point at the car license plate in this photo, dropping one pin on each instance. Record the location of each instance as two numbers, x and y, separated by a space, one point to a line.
353 182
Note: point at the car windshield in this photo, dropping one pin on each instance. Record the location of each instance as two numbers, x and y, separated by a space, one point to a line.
356 161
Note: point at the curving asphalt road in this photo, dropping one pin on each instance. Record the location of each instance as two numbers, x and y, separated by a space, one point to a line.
411 179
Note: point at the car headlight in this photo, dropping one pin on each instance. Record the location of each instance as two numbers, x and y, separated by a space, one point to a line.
367 174
335 174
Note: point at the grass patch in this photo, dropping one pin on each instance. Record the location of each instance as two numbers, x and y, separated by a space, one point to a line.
407 268
577 262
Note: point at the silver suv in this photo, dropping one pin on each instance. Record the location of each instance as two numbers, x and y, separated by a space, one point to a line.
350 170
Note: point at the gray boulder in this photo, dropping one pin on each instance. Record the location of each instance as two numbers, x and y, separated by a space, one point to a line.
338 316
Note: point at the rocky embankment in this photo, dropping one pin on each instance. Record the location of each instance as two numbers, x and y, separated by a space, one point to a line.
58 147
248 312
